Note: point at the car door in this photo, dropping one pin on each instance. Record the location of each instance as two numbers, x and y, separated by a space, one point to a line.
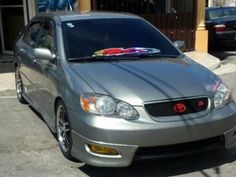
43 70
26 57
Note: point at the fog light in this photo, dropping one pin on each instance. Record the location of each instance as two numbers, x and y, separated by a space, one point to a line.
102 150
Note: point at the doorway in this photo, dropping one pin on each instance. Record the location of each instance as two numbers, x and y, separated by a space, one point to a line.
13 18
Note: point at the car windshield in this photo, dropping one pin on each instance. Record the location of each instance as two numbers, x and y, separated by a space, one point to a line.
114 37
221 13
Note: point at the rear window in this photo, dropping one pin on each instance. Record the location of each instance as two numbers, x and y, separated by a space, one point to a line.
83 38
221 13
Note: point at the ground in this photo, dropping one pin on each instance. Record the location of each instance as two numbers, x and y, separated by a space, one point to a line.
29 149
227 70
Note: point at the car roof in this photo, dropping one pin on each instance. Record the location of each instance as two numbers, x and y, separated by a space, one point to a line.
221 7
73 15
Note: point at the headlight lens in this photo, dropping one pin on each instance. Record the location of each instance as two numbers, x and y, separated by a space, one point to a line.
125 110
222 96
107 106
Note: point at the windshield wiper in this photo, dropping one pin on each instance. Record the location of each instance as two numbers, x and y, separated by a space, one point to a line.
87 58
121 57
103 58
146 55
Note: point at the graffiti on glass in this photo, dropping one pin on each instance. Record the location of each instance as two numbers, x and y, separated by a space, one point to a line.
56 5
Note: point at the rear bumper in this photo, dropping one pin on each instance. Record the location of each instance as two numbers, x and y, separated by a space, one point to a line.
135 142
226 37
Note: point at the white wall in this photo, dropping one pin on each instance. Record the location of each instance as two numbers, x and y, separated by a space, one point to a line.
221 3
31 8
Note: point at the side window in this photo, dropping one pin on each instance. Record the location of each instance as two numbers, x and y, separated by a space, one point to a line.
47 37
32 34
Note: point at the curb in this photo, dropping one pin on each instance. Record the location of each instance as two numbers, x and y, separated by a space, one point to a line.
209 61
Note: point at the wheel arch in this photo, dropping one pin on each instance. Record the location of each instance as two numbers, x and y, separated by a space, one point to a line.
57 99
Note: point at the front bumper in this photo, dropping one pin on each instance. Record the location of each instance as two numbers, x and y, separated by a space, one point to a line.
128 137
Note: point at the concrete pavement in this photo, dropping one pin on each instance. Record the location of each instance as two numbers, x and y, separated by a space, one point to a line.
209 61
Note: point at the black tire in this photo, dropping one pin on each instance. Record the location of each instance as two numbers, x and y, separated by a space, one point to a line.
19 87
63 129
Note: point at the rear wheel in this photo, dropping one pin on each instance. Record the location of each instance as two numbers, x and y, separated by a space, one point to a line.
63 128
19 86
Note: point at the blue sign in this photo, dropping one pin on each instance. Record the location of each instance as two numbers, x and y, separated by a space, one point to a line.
55 5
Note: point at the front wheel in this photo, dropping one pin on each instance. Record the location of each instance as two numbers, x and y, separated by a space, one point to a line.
19 87
63 128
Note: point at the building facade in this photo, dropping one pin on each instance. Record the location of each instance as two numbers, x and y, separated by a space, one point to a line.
178 19
212 3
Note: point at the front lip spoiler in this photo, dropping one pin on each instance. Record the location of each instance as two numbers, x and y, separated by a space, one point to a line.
230 138
183 149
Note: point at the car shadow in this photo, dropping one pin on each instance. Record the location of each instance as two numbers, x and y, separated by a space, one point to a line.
169 167
224 52
53 134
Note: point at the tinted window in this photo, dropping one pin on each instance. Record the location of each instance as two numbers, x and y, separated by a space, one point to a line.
221 13
47 36
85 37
32 34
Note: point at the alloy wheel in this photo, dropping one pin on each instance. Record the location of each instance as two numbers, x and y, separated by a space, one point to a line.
63 129
19 86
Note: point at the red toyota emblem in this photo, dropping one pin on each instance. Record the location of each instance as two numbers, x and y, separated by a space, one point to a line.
179 108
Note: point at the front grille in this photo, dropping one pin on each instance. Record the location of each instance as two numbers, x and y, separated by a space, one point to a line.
160 152
168 108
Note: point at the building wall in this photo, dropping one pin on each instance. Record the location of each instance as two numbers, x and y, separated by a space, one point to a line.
212 3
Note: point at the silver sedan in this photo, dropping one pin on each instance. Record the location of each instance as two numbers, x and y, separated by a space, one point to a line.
115 90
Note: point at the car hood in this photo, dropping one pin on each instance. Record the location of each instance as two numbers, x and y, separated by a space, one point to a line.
148 80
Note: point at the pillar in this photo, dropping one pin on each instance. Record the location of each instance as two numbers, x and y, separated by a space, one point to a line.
84 6
201 34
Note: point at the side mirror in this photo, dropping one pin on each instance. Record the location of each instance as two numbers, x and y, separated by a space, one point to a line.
180 45
44 54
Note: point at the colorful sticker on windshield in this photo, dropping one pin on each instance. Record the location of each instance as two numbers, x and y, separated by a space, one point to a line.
70 25
127 51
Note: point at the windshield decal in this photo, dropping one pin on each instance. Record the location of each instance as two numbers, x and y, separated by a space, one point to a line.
127 51
70 25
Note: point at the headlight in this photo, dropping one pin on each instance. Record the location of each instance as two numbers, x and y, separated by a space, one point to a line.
222 96
107 106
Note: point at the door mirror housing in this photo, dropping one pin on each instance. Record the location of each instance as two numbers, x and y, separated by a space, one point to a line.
44 54
180 45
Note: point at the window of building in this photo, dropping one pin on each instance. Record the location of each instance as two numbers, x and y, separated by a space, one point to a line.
11 2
